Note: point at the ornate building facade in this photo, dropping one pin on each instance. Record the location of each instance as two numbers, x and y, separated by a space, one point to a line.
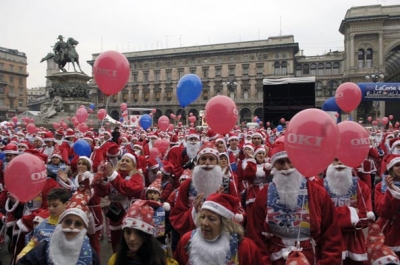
13 76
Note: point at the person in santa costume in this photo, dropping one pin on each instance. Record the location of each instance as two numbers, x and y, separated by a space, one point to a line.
227 171
51 146
353 205
367 170
152 138
121 185
99 154
293 214
206 179
387 202
68 244
181 156
218 238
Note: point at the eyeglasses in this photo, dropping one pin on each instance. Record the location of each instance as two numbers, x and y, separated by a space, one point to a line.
69 222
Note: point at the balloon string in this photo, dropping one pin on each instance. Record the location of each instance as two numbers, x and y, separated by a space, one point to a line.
107 101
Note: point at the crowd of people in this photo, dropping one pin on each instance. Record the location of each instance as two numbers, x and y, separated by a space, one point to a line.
205 199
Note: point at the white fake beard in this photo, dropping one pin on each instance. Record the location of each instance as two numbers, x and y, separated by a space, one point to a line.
210 253
63 251
339 181
207 182
287 184
192 149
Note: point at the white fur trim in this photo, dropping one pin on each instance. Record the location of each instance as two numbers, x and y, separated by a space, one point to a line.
278 155
166 206
87 159
113 176
395 143
218 208
22 226
353 215
392 163
371 216
77 212
395 193
385 260
252 160
131 157
138 224
87 175
239 217
267 166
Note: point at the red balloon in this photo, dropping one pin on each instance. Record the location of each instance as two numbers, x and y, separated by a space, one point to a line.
25 176
124 106
179 124
178 117
111 72
192 119
191 124
154 153
190 114
56 125
390 117
101 114
76 123
172 116
348 96
369 118
31 128
282 120
14 119
268 123
375 123
153 111
255 118
311 141
378 120
161 145
221 114
81 115
385 120
133 119
163 123
90 110
65 126
83 127
354 143
170 126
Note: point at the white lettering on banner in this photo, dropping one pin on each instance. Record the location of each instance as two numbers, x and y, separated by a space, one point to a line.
304 139
107 72
39 175
339 95
361 141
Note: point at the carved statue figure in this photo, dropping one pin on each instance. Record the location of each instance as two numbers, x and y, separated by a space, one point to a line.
64 52
55 107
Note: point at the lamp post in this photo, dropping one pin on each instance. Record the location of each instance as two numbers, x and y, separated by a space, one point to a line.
374 77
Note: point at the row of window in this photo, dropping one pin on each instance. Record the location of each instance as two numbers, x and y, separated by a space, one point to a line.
12 105
365 58
319 69
11 79
11 67
328 91
11 89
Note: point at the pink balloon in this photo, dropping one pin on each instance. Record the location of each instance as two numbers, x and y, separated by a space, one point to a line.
31 120
397 124
311 141
170 126
192 119
255 118
348 96
192 125
65 126
101 114
133 119
161 145
124 106
81 115
14 119
153 111
390 117
163 123
90 110
56 125
124 114
282 120
375 123
369 118
111 72
83 127
190 114
385 120
68 118
154 153
354 143
337 115
268 123
178 117
172 116
221 114
378 120
31 128
179 124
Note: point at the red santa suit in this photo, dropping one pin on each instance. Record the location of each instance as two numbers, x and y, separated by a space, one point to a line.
324 242
368 167
178 157
99 154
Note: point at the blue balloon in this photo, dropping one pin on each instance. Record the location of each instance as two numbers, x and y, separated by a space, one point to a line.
188 89
2 155
145 121
258 119
82 148
121 119
279 128
330 105
92 106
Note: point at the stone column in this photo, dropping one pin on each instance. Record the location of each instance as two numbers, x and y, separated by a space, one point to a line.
151 88
140 99
239 90
351 50
252 89
130 94
380 49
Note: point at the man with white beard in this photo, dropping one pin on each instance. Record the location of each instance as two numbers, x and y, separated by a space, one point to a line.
182 155
68 245
353 206
206 179
292 213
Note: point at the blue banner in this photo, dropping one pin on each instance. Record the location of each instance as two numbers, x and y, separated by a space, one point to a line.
380 91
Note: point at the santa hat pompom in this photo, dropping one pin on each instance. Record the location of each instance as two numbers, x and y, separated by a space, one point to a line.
285 254
239 217
87 175
159 173
140 171
267 166
166 206
370 216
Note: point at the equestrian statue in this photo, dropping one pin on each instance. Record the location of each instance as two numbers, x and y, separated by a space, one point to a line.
64 52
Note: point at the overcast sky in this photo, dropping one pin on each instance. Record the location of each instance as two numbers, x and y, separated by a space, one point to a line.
32 26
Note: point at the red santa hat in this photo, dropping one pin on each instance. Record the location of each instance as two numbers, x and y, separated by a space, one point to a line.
140 216
167 168
41 216
60 131
56 153
224 205
107 132
248 145
211 135
193 134
88 137
377 252
42 156
233 136
11 149
152 164
77 205
187 174
297 258
113 150
155 186
152 135
132 157
208 148
25 144
391 160
278 152
87 159
49 137
394 142
138 145
69 133
259 149
258 133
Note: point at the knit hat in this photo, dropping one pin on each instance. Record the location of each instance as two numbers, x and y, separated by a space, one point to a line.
391 160
208 148
152 164
224 205
278 152
377 252
48 136
167 168
140 216
77 205
187 174
155 185
297 258
11 149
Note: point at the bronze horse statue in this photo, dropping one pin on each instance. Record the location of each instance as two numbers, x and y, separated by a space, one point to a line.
70 56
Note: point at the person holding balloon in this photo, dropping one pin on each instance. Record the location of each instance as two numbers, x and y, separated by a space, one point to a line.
291 213
122 185
100 154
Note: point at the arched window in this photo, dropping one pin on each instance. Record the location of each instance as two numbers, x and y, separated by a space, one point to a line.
277 68
313 69
298 70
369 58
331 88
284 68
361 58
321 68
328 69
245 94
318 89
336 68
306 69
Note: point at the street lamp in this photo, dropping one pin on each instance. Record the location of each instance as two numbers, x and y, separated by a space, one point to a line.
230 83
374 77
